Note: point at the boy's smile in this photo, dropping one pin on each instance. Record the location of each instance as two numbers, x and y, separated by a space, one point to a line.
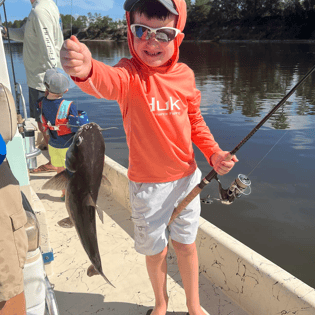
152 52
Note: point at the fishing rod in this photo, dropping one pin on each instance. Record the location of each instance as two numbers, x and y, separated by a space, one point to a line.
19 98
242 181
17 94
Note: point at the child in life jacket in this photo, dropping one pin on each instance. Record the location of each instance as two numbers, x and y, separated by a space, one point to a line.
55 115
160 107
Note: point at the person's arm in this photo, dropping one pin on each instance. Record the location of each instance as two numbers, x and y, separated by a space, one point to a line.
104 81
94 77
38 110
44 28
73 111
16 34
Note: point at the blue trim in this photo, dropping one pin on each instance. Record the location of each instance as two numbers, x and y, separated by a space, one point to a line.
3 149
64 109
48 257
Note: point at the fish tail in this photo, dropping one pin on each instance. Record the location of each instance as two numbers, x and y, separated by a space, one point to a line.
102 274
92 271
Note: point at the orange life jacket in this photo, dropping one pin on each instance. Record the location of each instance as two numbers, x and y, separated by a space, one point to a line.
61 120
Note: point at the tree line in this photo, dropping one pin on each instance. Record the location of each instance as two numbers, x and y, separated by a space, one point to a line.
91 26
258 19
209 19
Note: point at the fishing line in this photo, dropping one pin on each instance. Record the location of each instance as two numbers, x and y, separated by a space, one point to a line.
267 153
242 180
11 57
71 17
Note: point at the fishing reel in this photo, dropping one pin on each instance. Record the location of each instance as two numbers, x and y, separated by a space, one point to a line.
240 186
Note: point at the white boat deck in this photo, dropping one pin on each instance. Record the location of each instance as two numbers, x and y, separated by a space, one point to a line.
77 293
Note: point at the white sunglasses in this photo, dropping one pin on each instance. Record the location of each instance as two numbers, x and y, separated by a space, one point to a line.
162 34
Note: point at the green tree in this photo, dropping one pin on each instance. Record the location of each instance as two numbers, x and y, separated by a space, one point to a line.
81 21
67 20
223 10
188 4
18 23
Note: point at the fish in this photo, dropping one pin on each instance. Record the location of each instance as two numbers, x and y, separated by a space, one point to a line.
81 180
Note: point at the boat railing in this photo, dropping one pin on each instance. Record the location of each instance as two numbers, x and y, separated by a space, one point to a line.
255 283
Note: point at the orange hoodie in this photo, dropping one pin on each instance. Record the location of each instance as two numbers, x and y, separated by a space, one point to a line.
160 111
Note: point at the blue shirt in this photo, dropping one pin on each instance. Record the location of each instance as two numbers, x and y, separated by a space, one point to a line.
49 110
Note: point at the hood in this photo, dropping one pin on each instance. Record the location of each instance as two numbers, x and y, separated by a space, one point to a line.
182 15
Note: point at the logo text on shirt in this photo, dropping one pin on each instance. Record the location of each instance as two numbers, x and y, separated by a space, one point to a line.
169 107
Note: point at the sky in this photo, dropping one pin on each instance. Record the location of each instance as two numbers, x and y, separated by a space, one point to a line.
19 9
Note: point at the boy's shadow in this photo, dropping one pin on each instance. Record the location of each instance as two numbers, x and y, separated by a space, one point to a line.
49 197
46 154
79 303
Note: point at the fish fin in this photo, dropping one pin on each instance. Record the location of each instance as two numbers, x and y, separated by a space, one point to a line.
88 201
91 271
105 181
58 182
100 214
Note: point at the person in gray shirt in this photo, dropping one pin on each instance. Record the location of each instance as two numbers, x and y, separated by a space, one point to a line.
42 39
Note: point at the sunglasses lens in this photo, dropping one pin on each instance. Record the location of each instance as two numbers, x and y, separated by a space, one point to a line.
139 31
162 35
165 35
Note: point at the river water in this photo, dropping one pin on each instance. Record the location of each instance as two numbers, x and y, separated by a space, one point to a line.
240 83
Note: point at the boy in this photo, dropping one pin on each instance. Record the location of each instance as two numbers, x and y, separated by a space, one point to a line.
55 113
159 103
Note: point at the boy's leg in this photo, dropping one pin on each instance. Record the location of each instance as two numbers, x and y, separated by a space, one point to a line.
157 270
150 217
41 128
183 234
58 158
188 266
48 166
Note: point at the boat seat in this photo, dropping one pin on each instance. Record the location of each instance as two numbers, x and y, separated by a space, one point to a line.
8 117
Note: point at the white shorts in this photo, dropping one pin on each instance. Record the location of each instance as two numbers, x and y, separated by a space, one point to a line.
152 206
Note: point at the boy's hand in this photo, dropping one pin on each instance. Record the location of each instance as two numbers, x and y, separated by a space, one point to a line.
223 162
76 58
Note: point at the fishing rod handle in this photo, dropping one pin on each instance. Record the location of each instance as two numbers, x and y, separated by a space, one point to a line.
192 195
185 202
195 192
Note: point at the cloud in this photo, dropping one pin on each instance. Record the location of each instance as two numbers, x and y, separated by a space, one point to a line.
99 5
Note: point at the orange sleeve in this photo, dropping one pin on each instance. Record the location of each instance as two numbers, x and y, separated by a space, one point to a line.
105 82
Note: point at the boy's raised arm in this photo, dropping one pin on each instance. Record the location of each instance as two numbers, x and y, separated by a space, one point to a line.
92 76
76 58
